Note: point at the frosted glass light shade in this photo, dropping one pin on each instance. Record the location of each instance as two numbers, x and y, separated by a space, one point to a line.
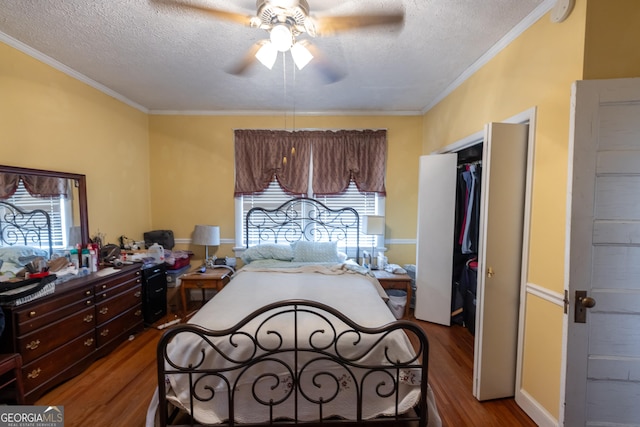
267 55
281 37
301 55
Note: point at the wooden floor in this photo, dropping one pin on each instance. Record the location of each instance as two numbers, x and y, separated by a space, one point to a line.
116 390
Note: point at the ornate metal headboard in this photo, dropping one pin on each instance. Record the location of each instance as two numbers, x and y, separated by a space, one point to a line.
29 228
304 219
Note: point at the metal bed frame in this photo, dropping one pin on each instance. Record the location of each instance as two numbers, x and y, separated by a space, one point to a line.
322 345
303 218
295 220
18 226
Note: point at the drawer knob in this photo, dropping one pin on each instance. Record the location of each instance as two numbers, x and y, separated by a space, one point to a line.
89 302
33 345
138 294
34 374
138 313
104 295
104 286
104 333
88 318
32 314
87 293
89 342
104 310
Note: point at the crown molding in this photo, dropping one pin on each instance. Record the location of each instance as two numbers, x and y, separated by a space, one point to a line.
36 54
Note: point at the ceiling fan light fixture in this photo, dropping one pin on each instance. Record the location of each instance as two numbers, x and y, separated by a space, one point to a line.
267 55
281 37
301 55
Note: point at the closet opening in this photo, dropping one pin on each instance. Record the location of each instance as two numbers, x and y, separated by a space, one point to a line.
465 237
473 204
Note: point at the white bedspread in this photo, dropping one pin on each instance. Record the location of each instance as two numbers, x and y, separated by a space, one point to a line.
357 296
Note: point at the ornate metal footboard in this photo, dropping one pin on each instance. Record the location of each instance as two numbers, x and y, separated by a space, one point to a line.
316 361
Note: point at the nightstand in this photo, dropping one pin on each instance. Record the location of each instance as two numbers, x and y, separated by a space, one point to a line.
211 279
395 281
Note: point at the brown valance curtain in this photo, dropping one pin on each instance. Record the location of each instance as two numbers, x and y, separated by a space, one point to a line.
338 158
260 156
342 156
37 186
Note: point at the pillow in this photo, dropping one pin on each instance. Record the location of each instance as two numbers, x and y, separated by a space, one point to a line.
267 251
315 252
14 253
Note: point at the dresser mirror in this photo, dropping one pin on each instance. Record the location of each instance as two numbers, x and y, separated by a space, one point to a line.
69 214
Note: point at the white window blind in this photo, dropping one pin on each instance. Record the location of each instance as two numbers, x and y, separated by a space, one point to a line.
54 206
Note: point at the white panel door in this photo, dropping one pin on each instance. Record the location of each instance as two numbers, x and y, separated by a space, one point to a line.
504 172
603 354
434 248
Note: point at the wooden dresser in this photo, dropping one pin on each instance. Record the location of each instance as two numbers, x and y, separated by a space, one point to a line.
61 334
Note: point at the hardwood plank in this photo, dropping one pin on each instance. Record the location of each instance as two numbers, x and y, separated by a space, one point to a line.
451 378
117 389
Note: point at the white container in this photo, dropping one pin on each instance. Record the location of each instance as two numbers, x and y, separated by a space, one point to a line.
157 252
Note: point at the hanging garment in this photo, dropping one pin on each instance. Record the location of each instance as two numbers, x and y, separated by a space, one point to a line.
470 178
474 220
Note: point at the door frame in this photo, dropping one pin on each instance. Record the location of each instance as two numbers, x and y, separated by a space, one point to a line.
530 406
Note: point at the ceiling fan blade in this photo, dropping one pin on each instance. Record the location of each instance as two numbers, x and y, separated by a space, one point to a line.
216 13
332 24
242 66
328 70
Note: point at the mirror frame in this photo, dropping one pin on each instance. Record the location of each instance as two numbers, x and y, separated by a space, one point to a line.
81 183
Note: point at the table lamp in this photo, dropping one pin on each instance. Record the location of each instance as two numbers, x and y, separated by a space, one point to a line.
373 225
206 235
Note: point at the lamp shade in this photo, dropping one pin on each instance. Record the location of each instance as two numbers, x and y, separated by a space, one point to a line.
206 235
373 224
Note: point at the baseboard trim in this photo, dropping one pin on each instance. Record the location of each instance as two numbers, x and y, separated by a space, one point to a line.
534 410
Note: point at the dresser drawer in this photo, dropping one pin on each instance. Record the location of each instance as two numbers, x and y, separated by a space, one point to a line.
53 363
35 344
114 291
110 283
107 310
127 321
47 312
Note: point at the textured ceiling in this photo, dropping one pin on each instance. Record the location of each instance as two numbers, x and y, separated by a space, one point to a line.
168 59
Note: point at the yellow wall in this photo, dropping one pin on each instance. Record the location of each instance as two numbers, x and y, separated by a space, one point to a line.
612 39
192 171
150 172
599 40
49 120
536 70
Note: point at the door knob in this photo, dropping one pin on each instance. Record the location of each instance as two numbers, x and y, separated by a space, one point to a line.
582 303
587 302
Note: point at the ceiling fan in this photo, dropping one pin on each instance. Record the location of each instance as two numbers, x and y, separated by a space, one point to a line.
287 21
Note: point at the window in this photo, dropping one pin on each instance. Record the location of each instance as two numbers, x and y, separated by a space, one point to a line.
274 196
56 207
337 156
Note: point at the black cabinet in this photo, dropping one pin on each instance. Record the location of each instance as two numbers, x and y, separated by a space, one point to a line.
154 291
